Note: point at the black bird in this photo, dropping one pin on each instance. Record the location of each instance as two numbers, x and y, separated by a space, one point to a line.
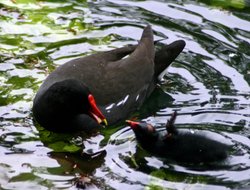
106 86
178 145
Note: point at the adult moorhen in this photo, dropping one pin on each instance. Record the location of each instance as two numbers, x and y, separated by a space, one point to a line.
106 86
178 145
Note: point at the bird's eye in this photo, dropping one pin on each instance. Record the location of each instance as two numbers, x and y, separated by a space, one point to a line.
150 128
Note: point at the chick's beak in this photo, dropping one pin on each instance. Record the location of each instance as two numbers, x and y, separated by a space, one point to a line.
133 124
95 112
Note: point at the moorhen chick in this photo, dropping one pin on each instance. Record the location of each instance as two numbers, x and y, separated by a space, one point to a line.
86 92
178 145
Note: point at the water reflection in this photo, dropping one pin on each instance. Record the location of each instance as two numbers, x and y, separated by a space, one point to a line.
208 85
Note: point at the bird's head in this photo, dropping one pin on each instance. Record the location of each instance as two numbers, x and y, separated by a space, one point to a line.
71 97
143 131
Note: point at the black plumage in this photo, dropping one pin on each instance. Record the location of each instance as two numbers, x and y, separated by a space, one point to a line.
119 84
179 145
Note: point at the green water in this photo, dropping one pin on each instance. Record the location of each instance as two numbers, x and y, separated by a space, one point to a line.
208 85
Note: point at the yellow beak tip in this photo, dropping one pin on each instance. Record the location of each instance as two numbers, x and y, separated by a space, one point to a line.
104 122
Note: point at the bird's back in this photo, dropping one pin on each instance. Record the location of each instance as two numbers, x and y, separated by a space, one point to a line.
188 147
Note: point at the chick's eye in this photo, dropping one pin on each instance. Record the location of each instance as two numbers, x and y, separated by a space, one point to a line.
150 128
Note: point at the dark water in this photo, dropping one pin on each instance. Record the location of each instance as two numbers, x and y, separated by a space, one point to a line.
208 85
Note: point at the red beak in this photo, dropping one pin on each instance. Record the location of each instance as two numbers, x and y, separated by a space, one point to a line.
95 111
133 124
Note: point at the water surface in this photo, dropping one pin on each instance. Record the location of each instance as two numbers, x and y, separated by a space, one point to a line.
208 85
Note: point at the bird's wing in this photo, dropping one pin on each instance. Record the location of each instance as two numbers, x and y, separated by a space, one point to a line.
170 127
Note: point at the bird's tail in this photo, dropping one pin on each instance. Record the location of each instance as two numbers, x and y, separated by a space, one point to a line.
166 54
